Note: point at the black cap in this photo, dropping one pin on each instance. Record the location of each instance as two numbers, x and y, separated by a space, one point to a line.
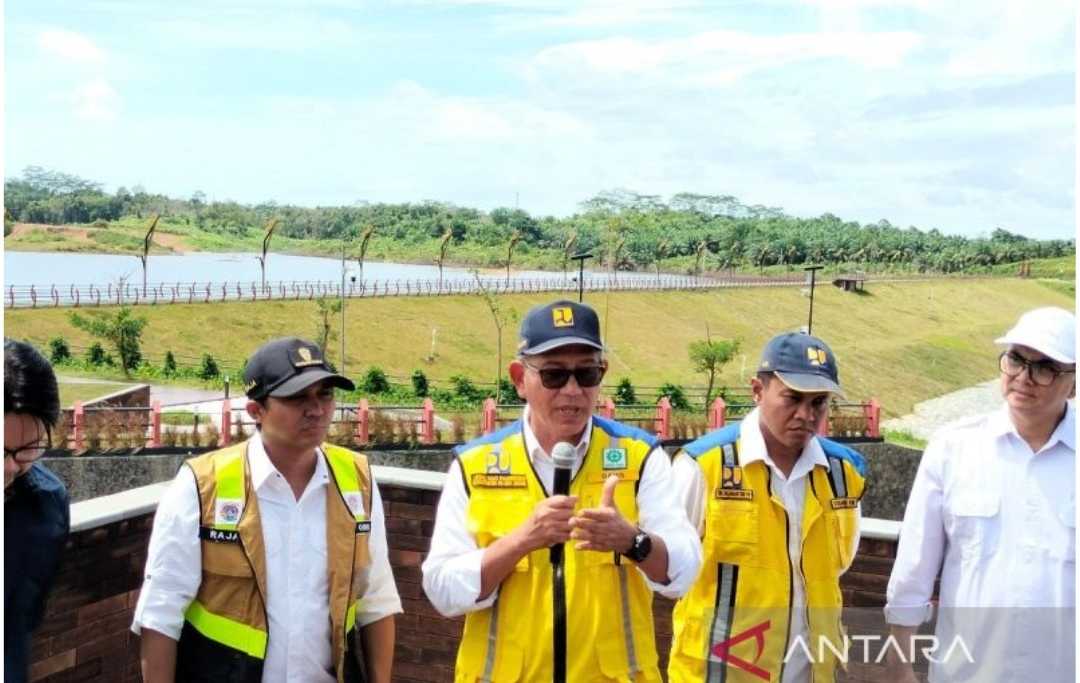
802 362
285 367
559 324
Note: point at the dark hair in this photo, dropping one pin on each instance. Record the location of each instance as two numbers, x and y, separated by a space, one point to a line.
30 383
765 376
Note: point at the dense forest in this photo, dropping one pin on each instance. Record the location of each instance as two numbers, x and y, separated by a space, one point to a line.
627 229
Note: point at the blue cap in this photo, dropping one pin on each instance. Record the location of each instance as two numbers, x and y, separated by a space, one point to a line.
802 362
558 324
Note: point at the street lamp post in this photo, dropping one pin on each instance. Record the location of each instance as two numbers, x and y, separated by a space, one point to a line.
580 258
813 280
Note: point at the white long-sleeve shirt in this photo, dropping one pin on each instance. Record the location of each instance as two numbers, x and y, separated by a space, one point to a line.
691 488
452 568
998 521
297 599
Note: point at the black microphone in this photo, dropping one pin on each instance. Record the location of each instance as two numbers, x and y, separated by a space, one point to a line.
563 455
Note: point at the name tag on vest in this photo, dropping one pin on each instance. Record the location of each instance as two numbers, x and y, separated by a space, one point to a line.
363 527
500 481
734 494
844 503
209 533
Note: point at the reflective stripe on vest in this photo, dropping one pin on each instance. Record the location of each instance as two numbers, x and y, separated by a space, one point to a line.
235 634
343 467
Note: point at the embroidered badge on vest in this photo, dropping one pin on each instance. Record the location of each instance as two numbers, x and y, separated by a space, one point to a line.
844 503
731 485
495 464
227 511
500 481
614 459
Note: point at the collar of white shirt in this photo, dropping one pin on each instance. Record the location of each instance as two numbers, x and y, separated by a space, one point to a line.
752 448
536 453
262 469
1001 424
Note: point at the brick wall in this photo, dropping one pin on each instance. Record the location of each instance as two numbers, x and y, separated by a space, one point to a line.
85 636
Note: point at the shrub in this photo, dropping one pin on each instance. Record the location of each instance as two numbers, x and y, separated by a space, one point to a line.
419 384
675 394
95 355
465 389
375 381
169 367
58 350
624 392
209 368
508 394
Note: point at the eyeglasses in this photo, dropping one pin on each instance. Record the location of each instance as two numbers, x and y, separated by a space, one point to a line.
1041 372
28 454
586 376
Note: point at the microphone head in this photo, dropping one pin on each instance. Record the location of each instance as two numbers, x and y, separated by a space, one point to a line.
564 456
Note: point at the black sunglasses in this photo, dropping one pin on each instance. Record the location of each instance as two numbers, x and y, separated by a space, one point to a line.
586 376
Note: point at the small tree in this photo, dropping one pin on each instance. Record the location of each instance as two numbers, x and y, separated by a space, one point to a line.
123 330
375 381
325 308
465 389
501 316
419 383
58 350
710 356
675 395
95 355
624 393
169 367
209 368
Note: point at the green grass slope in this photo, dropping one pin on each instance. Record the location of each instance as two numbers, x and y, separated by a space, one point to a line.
900 342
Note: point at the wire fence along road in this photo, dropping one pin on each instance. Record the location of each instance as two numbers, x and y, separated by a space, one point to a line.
50 296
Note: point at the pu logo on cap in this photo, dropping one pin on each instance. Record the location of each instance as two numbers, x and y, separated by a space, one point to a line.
562 317
816 356
305 358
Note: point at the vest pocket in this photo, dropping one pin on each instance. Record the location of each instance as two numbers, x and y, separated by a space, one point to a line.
225 559
733 525
842 525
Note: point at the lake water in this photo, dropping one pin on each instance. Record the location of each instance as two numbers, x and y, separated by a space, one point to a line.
23 268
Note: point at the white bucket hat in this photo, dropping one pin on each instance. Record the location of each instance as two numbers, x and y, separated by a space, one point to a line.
1051 331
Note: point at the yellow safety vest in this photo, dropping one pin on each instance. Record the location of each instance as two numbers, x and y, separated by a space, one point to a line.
610 634
733 624
225 630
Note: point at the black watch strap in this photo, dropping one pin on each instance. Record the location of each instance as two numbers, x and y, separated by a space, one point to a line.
640 548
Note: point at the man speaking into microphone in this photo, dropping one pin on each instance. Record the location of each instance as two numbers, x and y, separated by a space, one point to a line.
619 525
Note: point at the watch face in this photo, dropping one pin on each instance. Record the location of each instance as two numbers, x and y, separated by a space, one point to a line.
641 548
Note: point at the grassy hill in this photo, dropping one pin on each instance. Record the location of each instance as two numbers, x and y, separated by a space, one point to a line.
901 342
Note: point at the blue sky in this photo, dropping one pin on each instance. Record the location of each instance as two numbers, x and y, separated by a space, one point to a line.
934 113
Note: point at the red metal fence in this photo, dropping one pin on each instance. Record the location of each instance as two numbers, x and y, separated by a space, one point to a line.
105 428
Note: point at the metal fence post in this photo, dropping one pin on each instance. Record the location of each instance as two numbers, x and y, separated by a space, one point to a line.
155 424
872 410
362 421
718 414
427 428
226 422
78 424
488 418
662 424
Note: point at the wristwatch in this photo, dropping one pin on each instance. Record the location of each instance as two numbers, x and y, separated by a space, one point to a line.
640 548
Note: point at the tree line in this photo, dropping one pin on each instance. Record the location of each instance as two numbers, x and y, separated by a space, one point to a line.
626 230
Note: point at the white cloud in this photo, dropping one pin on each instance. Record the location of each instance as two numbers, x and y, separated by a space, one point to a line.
70 46
716 57
96 100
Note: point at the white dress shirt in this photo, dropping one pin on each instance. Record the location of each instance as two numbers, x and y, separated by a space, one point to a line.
998 521
452 568
691 488
297 599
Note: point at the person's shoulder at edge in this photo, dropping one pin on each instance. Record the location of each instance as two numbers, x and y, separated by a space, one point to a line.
43 480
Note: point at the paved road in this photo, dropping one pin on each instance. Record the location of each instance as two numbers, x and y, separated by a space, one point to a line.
931 415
